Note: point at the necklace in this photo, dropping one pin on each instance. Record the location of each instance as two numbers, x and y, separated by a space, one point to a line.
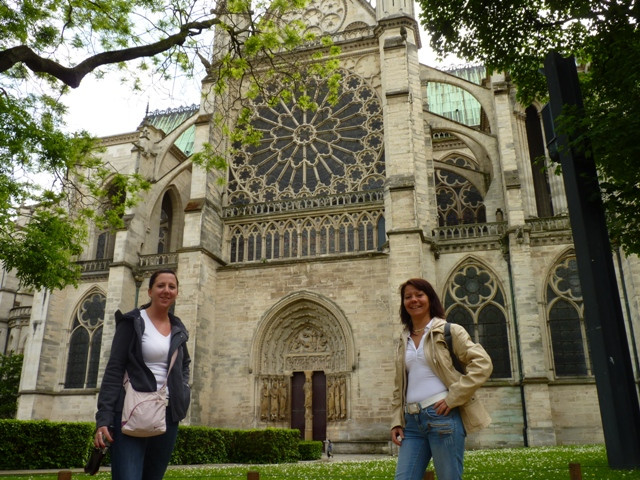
415 332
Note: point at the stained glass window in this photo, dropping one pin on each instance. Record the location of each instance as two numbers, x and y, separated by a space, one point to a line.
336 148
475 300
565 309
164 233
85 343
459 201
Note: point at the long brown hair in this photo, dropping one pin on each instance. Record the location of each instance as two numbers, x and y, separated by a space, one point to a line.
435 306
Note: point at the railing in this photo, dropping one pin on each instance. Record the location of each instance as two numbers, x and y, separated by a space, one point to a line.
157 260
308 203
468 231
498 229
549 224
19 312
100 265
146 262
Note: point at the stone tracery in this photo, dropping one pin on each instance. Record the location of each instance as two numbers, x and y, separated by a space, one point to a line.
303 152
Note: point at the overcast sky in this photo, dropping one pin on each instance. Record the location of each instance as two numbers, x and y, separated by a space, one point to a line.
105 107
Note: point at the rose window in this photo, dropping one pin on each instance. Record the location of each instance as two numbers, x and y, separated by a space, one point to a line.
336 148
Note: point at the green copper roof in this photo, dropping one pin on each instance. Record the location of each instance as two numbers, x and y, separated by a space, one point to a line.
170 119
453 102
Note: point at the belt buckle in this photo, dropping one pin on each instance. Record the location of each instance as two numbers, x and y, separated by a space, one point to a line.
413 408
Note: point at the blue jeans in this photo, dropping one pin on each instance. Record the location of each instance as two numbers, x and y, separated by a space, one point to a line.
134 458
427 435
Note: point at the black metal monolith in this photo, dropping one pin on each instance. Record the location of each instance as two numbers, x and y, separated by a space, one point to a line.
606 333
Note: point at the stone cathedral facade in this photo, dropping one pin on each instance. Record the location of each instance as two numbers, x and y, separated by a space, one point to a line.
289 270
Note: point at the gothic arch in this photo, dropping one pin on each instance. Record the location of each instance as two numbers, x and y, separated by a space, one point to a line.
461 160
459 200
303 331
105 238
484 147
475 298
564 314
550 265
85 340
167 198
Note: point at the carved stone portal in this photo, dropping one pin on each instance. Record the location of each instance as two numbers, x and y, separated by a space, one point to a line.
303 335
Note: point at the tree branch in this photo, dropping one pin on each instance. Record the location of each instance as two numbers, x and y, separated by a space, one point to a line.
72 76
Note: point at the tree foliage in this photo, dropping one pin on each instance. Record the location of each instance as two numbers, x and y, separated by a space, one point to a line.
604 36
10 368
49 46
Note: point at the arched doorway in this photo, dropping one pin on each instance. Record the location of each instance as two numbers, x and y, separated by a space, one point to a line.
302 359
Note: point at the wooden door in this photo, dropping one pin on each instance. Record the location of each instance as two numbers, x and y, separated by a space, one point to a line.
297 402
319 406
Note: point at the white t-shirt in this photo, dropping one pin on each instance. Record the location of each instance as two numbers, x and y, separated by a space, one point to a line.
422 383
155 350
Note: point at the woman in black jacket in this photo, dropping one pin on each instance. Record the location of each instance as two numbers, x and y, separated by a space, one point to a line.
144 341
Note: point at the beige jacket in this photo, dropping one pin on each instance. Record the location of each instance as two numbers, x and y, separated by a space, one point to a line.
461 387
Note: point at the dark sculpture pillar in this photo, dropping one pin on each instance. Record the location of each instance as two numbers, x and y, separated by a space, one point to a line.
606 333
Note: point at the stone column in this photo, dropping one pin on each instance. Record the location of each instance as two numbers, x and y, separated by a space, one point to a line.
308 405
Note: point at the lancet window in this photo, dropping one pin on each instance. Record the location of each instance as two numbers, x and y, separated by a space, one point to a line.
475 300
106 239
325 235
565 310
164 230
85 343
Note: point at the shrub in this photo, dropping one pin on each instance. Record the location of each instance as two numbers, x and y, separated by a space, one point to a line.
43 444
270 445
38 444
199 445
310 450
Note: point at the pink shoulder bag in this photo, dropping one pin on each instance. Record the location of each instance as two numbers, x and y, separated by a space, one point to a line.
144 413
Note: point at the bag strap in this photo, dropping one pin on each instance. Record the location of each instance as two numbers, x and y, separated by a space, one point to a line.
173 360
449 340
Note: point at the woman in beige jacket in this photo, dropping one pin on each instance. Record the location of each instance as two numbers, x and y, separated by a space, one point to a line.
434 406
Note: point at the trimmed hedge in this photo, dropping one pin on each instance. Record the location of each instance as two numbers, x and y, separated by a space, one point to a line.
198 446
270 445
310 450
35 444
38 444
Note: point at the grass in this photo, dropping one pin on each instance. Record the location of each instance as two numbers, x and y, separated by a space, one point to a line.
538 463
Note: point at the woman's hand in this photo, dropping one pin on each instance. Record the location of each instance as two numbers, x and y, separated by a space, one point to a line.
397 434
99 438
441 407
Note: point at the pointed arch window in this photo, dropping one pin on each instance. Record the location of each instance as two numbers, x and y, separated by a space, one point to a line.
105 245
538 171
459 201
237 245
85 343
475 300
565 313
106 239
164 231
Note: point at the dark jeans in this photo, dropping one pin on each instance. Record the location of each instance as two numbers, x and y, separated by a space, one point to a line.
134 458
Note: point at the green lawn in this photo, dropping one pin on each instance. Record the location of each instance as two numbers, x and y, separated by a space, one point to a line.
543 463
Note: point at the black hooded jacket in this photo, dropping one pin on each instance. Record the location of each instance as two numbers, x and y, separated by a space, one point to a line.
126 354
